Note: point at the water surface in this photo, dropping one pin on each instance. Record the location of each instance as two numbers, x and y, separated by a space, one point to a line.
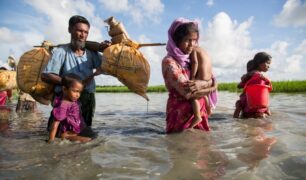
132 143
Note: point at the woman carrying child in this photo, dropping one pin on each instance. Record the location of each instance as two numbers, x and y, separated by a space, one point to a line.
260 63
183 36
68 121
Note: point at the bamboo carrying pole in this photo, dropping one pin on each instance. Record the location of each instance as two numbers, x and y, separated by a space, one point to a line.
96 46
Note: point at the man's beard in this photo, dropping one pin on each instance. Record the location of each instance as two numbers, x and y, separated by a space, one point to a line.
78 44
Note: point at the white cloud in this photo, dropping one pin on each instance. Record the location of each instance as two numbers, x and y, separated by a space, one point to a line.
228 43
139 10
115 5
293 13
294 64
210 3
154 56
301 49
50 23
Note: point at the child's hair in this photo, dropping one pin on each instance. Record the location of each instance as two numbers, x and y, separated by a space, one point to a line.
259 58
69 79
183 30
3 68
250 65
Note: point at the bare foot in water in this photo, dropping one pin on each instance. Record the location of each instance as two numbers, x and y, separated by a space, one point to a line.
196 120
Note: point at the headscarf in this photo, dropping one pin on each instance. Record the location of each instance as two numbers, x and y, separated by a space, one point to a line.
173 50
183 59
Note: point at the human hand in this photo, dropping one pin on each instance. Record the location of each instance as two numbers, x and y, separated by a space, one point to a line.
98 71
105 44
196 85
191 86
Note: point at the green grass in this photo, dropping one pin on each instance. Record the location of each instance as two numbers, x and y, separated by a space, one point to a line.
278 86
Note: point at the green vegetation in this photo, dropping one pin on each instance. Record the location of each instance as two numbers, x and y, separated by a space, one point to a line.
160 88
278 86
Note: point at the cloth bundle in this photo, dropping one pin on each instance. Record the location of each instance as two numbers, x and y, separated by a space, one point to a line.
124 61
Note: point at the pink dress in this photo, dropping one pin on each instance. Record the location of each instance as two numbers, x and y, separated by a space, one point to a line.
257 78
4 95
179 113
69 114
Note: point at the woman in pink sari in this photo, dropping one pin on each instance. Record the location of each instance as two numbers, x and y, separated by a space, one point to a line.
183 37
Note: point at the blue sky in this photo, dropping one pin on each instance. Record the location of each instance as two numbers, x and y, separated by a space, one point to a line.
231 31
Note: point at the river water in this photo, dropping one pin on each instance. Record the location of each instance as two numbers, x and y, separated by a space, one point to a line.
131 143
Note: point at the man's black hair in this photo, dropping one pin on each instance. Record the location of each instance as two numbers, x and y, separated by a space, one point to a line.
77 19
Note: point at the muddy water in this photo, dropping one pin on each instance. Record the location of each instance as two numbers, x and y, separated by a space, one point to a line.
131 143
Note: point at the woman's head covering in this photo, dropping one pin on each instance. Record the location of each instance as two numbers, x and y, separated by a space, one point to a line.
172 49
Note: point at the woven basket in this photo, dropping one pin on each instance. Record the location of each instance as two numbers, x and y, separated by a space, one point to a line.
7 80
29 69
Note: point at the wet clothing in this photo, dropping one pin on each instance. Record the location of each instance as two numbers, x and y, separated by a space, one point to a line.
179 113
257 78
64 61
69 115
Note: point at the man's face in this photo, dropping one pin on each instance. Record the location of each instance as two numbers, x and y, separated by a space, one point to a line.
79 33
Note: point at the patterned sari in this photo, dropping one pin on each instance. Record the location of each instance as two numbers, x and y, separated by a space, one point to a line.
179 113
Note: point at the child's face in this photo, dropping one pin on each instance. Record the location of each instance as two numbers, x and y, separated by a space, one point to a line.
265 66
188 43
74 92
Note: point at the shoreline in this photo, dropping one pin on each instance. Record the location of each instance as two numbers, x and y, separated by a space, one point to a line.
278 87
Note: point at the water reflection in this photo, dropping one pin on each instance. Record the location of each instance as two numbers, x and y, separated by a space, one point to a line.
131 143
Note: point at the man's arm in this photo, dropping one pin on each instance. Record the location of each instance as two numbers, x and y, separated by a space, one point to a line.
51 78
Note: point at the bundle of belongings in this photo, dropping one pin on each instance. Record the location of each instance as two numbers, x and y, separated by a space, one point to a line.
7 80
123 60
29 69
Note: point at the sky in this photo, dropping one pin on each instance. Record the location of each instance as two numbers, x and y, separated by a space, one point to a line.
231 31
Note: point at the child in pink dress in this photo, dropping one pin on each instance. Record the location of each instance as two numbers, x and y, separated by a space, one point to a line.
5 94
67 114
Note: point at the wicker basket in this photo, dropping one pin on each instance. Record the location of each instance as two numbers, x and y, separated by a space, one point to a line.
29 69
7 80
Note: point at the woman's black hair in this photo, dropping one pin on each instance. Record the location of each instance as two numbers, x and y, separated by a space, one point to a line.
69 79
184 30
77 19
261 57
3 68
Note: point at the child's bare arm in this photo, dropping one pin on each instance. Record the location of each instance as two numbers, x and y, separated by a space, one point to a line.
53 131
204 64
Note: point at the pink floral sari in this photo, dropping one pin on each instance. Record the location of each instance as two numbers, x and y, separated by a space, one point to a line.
179 113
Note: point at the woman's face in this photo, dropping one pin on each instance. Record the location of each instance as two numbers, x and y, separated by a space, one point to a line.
188 43
264 67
